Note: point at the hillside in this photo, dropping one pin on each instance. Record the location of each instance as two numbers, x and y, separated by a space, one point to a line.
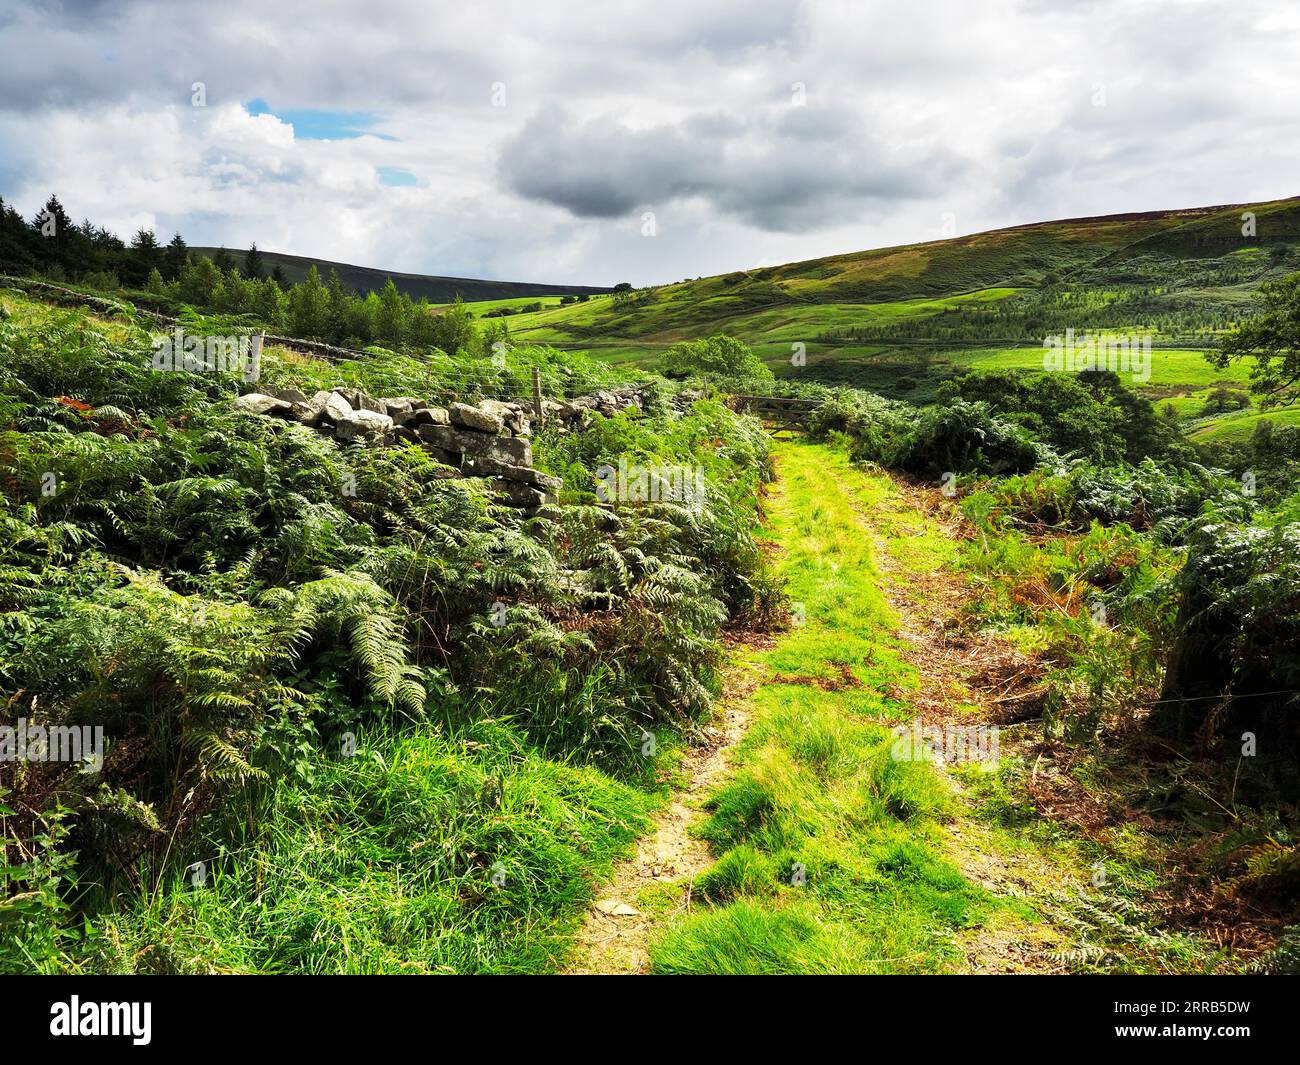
433 287
1182 274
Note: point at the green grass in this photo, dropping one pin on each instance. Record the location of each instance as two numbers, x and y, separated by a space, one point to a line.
1238 427
815 786
384 863
882 843
1169 366
480 307
25 311
802 322
678 313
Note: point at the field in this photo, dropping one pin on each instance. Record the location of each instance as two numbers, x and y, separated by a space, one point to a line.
481 308
1239 427
1171 368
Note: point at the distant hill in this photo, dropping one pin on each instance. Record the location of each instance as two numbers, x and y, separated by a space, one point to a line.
1177 272
436 289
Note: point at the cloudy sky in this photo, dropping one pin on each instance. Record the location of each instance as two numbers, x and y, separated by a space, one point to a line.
639 140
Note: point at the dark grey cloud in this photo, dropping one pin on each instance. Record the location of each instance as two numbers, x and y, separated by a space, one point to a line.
78 53
724 28
794 170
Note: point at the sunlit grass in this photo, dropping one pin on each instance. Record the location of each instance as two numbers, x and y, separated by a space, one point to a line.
829 850
1169 366
423 853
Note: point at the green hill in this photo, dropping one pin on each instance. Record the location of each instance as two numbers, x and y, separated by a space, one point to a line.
437 289
869 317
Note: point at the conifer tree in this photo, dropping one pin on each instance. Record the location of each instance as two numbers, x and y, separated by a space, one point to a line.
175 258
145 256
254 266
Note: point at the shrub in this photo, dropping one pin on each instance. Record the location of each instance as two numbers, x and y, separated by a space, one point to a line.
875 425
965 438
715 356
1091 415
1238 642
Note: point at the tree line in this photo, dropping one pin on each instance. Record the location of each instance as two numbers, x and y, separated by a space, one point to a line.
319 308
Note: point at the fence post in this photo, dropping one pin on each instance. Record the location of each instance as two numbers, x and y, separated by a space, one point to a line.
537 393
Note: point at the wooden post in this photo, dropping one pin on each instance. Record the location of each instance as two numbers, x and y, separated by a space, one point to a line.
537 393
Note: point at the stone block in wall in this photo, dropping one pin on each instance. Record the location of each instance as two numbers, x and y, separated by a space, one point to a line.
467 417
337 408
363 423
400 405
447 458
259 403
310 411
514 450
423 416
516 493
495 406
483 466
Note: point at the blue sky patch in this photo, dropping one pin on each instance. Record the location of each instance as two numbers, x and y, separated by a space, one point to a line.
396 177
310 124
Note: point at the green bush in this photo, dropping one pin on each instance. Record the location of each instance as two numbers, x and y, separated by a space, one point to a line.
1170 502
715 356
1237 654
965 438
1092 416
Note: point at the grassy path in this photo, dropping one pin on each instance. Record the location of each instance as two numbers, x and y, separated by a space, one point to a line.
657 883
825 853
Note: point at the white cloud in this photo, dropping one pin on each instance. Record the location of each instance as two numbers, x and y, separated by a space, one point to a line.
611 108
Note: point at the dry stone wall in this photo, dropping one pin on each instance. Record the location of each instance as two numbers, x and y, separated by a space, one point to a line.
491 440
